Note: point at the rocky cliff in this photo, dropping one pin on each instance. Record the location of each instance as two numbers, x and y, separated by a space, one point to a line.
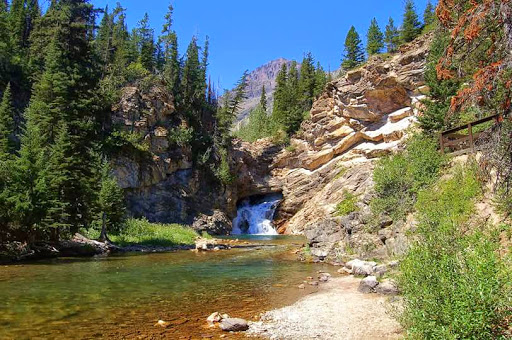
362 116
157 174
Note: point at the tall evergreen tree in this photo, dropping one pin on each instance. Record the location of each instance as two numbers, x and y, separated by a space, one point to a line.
104 38
392 36
354 54
307 81
263 99
66 94
192 83
429 15
146 44
375 39
171 70
320 80
6 124
4 44
280 107
411 26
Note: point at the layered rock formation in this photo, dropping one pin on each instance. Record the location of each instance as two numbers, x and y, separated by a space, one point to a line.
364 115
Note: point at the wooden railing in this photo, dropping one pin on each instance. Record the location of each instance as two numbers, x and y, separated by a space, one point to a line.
459 143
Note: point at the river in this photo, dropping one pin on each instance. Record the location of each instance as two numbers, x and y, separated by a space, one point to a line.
123 296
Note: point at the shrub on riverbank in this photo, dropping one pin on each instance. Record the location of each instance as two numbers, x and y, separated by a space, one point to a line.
454 282
400 177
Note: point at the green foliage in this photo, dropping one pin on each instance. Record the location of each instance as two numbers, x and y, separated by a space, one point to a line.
111 201
375 39
429 17
143 232
181 136
223 172
392 36
434 119
146 44
120 138
353 54
347 205
454 283
6 124
399 178
258 126
411 26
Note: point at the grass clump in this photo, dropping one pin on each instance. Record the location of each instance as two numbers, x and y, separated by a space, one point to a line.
347 205
143 232
454 282
400 177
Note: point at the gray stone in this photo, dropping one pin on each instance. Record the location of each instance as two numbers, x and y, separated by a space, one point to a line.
234 325
387 287
368 285
380 270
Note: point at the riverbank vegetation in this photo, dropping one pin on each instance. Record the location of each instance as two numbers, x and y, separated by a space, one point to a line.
144 233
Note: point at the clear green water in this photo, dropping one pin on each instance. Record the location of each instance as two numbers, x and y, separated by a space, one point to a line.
124 296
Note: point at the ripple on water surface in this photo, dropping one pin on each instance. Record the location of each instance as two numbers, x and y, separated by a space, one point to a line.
124 296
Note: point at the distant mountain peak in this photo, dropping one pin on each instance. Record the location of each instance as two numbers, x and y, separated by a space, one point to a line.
263 75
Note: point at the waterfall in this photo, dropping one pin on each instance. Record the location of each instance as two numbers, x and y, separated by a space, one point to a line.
255 216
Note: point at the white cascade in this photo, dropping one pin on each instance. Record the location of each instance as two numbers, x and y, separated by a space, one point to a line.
255 218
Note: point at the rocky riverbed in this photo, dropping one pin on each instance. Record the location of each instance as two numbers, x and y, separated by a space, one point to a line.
337 311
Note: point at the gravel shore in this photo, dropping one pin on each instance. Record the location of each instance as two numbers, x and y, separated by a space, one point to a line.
337 311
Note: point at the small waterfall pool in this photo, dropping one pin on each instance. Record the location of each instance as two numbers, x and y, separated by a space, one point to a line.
255 215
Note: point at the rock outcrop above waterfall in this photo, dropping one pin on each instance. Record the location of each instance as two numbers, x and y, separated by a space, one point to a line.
364 115
158 176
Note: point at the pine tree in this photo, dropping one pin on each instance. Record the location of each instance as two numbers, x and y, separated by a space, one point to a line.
66 94
354 54
111 203
6 124
263 99
227 112
429 15
392 36
411 26
146 44
192 83
4 44
280 107
375 39
103 42
171 70
320 81
307 82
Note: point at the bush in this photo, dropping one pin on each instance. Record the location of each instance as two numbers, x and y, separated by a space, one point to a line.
181 136
399 178
347 205
454 283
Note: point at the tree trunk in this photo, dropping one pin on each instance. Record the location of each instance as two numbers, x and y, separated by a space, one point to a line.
103 235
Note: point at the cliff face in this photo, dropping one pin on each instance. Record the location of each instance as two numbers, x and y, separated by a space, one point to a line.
159 178
365 115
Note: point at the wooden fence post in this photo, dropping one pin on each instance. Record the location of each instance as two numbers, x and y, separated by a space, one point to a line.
471 140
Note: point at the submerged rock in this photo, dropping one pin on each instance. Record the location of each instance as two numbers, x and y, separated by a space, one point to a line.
234 325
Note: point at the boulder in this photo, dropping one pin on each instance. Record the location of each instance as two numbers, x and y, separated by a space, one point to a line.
387 287
361 268
234 325
400 114
214 317
368 285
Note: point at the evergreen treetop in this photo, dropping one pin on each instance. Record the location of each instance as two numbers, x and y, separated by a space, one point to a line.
354 53
411 27
375 39
392 36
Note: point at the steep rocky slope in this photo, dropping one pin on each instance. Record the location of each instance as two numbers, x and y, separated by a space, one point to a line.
362 116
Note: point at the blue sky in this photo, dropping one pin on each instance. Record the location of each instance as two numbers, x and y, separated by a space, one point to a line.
247 34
